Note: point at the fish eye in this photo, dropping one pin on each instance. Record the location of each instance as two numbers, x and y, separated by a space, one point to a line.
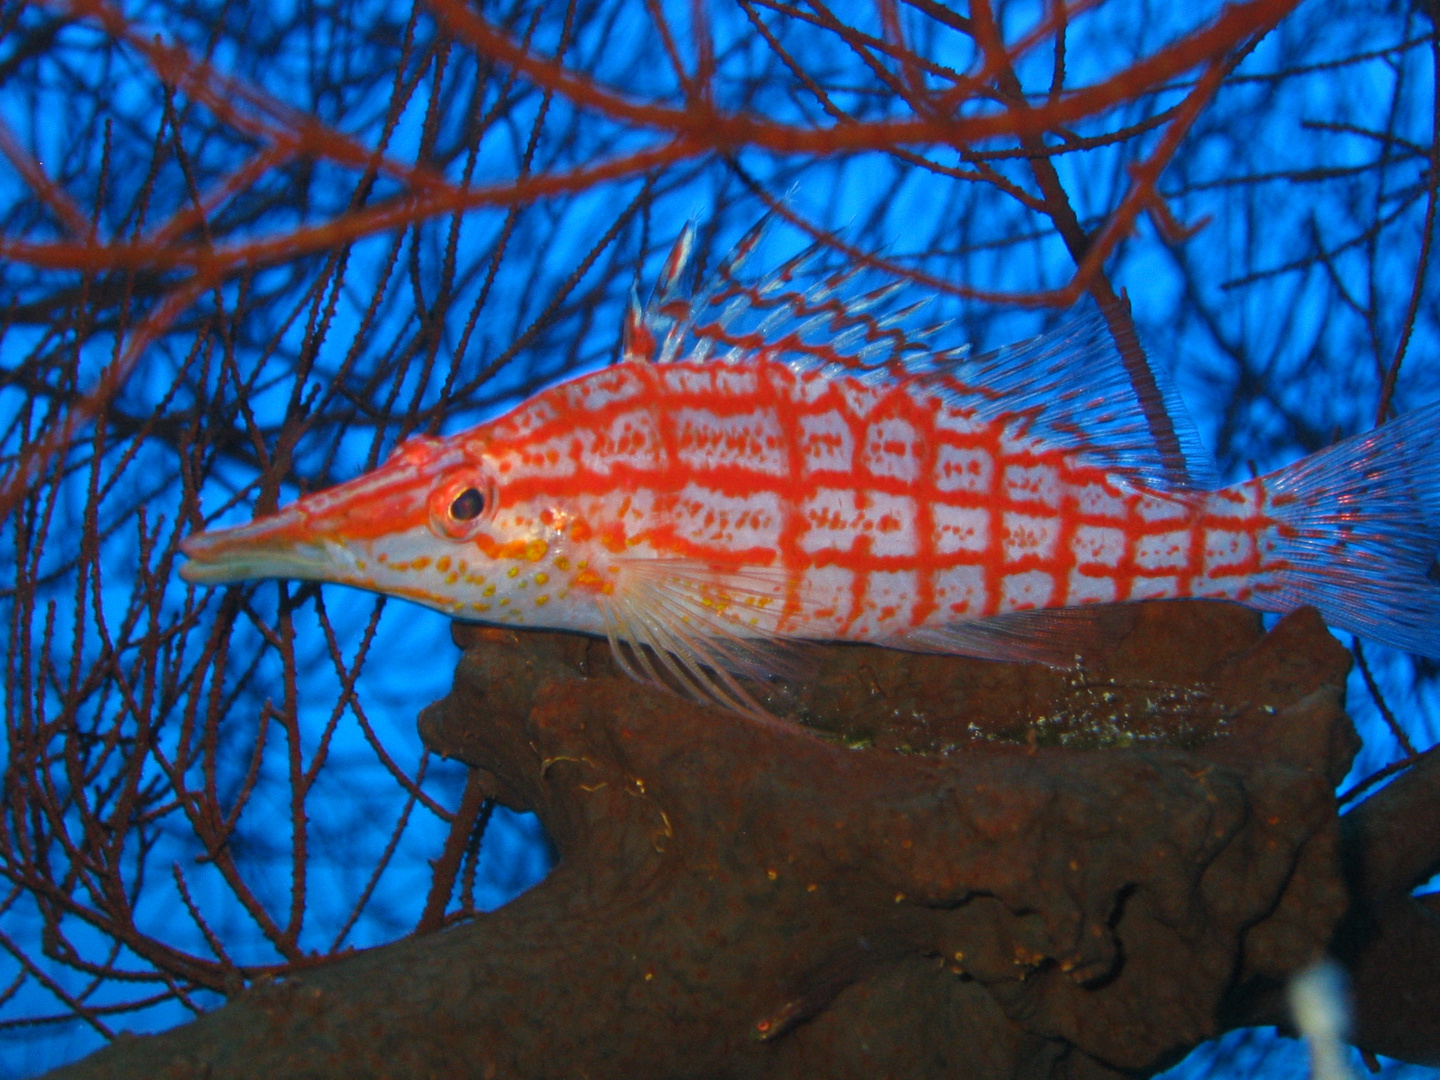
457 507
467 505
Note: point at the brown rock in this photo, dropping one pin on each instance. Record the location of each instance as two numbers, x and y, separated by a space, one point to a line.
955 868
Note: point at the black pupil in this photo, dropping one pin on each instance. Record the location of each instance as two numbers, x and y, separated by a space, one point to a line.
467 505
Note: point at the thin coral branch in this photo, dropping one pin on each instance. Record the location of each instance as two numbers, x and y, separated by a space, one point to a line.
1427 235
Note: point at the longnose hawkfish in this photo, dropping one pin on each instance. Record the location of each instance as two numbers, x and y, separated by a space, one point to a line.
786 459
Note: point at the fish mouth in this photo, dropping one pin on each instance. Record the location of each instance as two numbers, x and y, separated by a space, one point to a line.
279 546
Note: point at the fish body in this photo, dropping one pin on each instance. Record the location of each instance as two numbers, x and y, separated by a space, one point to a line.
799 505
699 509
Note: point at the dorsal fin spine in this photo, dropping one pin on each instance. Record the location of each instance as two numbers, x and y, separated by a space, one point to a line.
677 262
637 343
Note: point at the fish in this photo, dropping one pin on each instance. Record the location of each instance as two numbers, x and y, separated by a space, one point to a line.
795 456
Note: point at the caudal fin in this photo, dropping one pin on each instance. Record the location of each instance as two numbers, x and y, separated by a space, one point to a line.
1360 533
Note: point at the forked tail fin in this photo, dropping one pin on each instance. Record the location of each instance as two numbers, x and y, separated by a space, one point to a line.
1360 533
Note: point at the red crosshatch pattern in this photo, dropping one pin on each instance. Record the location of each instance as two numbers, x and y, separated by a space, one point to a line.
829 507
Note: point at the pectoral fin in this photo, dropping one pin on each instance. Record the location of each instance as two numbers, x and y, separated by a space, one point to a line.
677 623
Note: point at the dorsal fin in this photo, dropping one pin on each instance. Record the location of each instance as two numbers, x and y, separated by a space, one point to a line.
1069 387
800 314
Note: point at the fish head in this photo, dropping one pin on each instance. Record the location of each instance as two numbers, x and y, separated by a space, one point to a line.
427 525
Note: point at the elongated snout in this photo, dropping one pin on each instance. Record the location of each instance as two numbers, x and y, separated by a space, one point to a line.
280 545
322 536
